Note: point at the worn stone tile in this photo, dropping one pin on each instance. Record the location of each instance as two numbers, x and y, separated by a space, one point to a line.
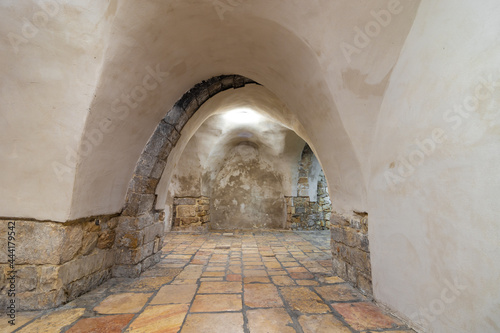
215 269
175 294
220 288
143 284
339 293
277 272
253 272
191 272
304 300
217 303
262 296
213 274
330 279
325 323
257 279
104 324
307 282
296 269
213 323
233 277
21 319
302 275
235 269
160 318
290 264
211 279
123 303
282 280
181 281
365 316
54 321
269 321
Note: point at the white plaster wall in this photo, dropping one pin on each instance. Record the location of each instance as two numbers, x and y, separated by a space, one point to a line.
50 61
438 224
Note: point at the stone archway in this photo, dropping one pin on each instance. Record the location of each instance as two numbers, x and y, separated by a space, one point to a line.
139 234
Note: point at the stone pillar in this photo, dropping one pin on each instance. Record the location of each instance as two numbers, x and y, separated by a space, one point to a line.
139 242
350 250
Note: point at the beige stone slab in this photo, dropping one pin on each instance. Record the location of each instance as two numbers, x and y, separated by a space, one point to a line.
54 321
217 303
254 272
104 324
175 294
123 303
282 280
331 279
269 321
339 293
304 300
325 323
220 288
256 279
160 318
365 316
262 296
307 283
213 323
21 319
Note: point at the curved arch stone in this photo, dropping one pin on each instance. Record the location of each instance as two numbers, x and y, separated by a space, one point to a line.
141 226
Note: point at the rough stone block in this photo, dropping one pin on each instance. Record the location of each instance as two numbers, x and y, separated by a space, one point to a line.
134 256
151 261
189 104
40 301
158 169
40 243
364 283
339 267
186 211
145 165
83 266
201 93
27 278
144 220
176 117
128 271
163 156
139 204
153 231
49 278
81 286
142 184
106 239
129 238
89 242
239 81
215 87
227 81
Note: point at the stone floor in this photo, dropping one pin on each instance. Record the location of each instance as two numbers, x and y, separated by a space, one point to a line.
223 283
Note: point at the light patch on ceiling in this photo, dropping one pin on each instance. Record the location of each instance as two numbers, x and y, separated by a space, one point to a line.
243 116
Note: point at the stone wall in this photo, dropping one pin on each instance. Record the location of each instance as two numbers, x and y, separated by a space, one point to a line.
191 214
138 243
303 214
350 250
56 262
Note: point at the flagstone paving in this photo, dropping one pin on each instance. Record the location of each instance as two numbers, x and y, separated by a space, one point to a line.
223 282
